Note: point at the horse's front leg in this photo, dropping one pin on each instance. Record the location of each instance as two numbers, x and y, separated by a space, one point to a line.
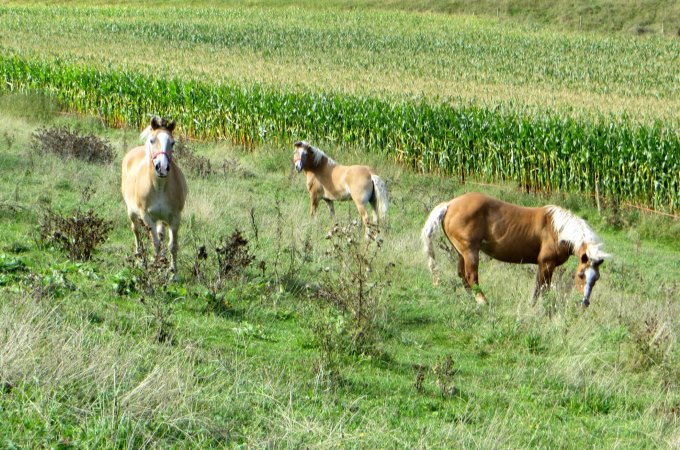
471 279
331 209
154 235
174 230
543 279
135 225
313 203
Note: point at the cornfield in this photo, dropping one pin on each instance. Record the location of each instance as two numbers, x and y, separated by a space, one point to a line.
629 161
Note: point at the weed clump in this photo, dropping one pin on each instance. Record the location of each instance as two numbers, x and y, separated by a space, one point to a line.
228 263
652 339
351 291
63 142
234 256
197 165
78 233
201 167
443 371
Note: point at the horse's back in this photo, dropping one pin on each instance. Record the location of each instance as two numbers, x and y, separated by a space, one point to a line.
131 161
358 175
504 231
130 172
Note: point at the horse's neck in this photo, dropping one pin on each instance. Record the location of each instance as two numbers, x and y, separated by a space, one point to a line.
325 171
321 165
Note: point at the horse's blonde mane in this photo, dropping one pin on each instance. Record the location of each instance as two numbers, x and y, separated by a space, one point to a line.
318 153
575 231
144 135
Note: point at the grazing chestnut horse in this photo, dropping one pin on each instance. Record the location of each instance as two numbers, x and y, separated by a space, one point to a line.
546 236
329 181
154 187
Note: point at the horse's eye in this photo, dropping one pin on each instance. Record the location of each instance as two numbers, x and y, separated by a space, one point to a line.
152 140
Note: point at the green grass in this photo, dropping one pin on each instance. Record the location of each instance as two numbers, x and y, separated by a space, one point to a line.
88 361
81 366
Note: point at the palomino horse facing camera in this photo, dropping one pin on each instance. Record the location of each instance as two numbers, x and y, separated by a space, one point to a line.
329 181
546 236
154 187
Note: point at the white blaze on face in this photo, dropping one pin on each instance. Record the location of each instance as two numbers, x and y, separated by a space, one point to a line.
163 150
591 276
300 152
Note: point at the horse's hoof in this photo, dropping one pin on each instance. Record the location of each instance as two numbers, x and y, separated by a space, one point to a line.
480 299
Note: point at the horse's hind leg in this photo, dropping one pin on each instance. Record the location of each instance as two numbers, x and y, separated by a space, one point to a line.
461 271
374 213
154 235
364 217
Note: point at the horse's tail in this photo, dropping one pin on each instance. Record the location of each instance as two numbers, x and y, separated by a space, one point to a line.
429 231
381 200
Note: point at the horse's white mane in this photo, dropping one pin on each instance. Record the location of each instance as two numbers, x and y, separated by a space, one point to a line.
318 154
574 230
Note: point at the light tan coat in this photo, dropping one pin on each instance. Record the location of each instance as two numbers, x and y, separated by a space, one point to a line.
329 181
154 188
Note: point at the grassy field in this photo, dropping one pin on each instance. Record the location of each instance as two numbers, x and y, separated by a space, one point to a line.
279 351
107 354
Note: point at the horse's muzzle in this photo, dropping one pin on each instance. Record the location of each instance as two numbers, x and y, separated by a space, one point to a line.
591 277
298 166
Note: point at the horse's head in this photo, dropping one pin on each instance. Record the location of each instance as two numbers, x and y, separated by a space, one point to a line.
590 257
302 154
159 143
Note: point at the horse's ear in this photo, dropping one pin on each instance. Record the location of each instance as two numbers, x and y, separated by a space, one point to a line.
156 122
171 126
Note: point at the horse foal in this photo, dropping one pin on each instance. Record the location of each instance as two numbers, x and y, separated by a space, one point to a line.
546 236
154 188
329 181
